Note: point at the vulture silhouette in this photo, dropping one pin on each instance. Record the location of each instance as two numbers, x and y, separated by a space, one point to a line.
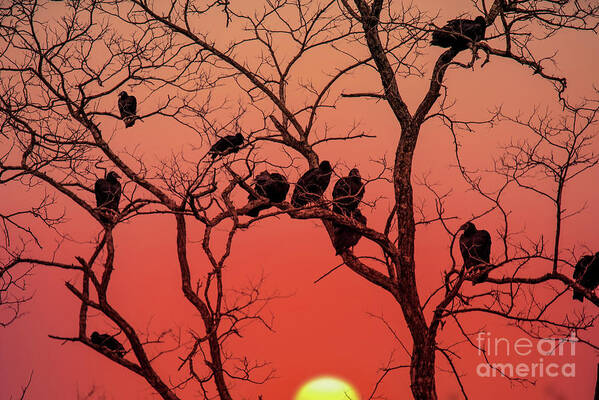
458 33
273 186
128 109
586 273
344 237
108 195
312 185
348 192
475 246
226 145
108 342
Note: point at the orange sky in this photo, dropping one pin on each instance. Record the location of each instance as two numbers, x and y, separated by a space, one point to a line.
328 327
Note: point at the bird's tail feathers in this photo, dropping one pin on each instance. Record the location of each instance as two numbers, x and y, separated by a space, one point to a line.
480 278
129 121
107 215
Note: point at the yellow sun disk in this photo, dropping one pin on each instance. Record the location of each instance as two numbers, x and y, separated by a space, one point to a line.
327 388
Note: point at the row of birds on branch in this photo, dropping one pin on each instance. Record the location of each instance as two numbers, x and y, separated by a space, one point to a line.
458 34
347 195
348 192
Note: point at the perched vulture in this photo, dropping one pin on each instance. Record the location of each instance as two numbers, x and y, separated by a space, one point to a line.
128 108
348 192
312 185
345 237
108 194
475 246
586 272
272 186
226 145
457 31
108 342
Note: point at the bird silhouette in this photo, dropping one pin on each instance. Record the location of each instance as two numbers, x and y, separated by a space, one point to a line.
312 185
128 109
586 273
108 194
108 342
457 32
348 192
344 237
226 145
475 246
273 186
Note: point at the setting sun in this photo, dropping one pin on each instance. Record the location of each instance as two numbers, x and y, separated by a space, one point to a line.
327 388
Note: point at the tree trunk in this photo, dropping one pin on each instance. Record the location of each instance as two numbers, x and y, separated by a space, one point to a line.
217 367
422 370
422 366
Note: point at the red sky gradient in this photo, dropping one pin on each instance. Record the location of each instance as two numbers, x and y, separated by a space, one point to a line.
329 327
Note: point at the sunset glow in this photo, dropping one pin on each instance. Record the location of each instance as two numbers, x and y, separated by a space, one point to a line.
327 388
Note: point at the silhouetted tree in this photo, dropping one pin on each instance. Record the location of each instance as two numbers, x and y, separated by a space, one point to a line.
58 113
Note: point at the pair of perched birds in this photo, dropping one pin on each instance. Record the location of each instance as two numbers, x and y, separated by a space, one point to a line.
225 145
347 194
475 246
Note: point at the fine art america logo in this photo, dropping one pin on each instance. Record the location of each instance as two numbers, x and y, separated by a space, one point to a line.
544 352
